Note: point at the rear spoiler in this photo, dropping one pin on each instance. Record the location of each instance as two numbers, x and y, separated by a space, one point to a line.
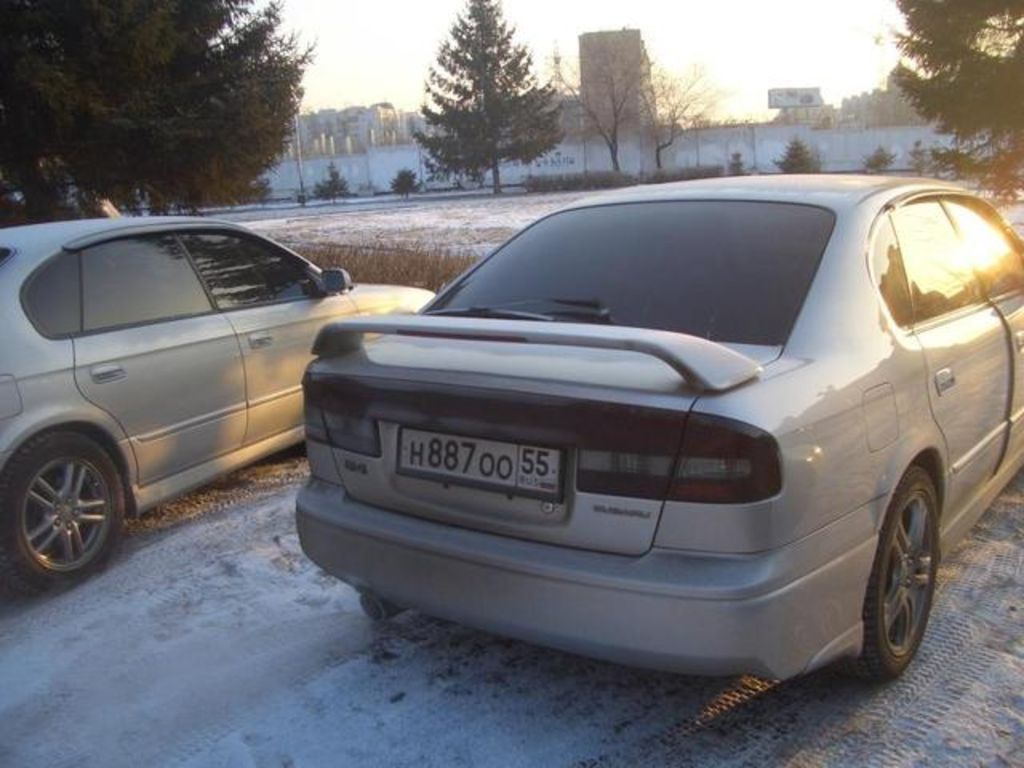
705 365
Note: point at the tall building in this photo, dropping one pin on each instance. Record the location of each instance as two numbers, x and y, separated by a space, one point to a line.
354 130
614 70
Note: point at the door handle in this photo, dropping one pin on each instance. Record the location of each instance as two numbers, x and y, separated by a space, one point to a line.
944 379
103 374
260 340
1018 337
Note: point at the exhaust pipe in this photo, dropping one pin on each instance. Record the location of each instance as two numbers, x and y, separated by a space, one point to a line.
376 607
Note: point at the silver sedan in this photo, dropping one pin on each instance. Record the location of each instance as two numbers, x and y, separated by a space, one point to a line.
140 358
720 427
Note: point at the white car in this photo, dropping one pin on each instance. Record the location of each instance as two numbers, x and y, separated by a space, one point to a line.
141 358
718 427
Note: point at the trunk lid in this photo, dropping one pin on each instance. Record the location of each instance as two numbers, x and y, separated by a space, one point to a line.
589 406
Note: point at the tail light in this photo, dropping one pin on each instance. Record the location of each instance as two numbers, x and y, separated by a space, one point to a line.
341 421
353 432
641 476
721 461
725 462
316 430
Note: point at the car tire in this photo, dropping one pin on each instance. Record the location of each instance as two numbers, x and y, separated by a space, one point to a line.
902 584
62 504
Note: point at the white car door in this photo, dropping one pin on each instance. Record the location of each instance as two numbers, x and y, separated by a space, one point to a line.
965 347
995 254
276 307
155 355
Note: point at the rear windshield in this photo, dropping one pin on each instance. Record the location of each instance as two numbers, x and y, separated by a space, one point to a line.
4 253
729 271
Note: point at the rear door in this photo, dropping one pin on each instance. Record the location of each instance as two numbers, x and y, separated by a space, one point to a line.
965 346
157 357
276 307
995 254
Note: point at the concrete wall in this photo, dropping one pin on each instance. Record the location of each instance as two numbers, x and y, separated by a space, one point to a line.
841 150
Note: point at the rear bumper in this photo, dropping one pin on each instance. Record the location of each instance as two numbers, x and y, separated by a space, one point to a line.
775 614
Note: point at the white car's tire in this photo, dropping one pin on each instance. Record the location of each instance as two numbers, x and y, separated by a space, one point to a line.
899 596
62 508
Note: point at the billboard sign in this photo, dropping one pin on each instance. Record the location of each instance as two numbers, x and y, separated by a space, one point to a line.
785 98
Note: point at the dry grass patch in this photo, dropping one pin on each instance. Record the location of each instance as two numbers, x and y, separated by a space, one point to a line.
421 267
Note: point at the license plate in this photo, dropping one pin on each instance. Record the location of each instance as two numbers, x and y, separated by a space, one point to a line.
525 470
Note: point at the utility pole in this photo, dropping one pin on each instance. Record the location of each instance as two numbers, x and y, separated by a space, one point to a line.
753 144
298 161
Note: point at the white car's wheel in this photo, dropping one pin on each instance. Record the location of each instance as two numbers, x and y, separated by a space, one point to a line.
61 511
902 584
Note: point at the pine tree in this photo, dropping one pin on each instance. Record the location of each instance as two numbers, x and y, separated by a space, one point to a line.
404 183
921 159
332 187
799 158
967 73
163 105
486 105
879 161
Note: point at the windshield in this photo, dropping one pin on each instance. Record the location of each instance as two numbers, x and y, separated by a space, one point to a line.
727 271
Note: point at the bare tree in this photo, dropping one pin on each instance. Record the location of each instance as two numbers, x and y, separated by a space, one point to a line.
608 85
673 103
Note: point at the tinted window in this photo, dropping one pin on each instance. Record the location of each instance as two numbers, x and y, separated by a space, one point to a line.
53 296
139 280
887 265
988 249
940 276
730 271
4 253
240 271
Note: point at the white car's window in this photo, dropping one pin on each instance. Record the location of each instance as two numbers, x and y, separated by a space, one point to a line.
242 271
138 280
53 297
887 267
939 274
988 249
722 270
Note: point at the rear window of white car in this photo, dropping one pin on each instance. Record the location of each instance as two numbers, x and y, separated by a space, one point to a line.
4 253
733 271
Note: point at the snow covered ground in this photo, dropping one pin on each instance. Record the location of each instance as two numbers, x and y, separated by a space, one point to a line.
467 224
211 641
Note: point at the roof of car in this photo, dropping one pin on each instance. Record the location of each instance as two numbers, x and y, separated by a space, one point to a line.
835 191
44 239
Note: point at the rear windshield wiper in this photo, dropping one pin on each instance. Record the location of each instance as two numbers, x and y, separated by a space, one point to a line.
585 310
495 312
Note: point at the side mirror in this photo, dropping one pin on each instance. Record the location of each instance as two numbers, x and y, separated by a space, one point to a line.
335 280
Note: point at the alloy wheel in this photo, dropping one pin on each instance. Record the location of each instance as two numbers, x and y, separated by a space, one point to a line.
908 577
66 515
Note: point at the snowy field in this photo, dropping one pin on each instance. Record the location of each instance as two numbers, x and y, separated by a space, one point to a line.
211 641
468 224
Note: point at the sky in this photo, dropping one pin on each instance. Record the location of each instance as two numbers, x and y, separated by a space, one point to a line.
381 50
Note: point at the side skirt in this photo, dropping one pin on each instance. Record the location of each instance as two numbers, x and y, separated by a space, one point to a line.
149 496
956 527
